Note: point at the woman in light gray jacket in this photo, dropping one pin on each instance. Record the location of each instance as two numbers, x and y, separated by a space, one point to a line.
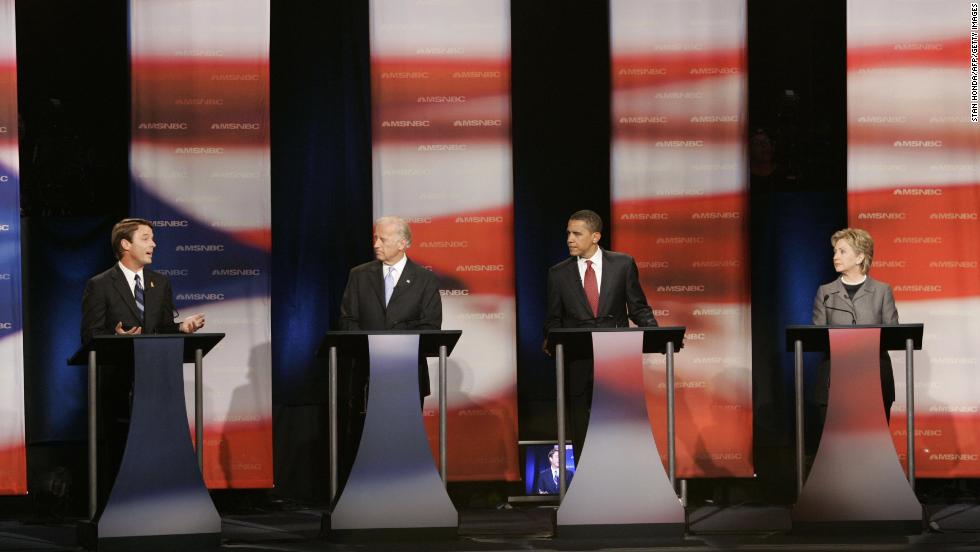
855 298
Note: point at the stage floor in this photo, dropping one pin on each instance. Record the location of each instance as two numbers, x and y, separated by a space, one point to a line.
738 528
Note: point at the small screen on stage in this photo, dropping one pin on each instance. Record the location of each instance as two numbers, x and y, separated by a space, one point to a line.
540 468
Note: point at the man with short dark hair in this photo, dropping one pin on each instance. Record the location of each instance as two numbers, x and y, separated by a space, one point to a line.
126 299
129 298
548 477
593 288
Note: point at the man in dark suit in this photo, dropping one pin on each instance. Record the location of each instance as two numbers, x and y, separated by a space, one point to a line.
548 477
126 299
388 293
391 292
591 289
129 298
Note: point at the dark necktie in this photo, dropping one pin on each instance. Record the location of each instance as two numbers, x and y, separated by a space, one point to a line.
591 288
138 292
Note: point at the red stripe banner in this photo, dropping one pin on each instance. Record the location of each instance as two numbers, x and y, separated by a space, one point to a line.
442 159
679 207
201 174
914 184
13 456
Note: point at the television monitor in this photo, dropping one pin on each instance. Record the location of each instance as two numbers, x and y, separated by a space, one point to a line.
537 466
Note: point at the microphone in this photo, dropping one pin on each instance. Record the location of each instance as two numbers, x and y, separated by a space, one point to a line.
853 318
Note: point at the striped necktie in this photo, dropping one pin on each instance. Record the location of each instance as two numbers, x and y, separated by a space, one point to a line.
138 293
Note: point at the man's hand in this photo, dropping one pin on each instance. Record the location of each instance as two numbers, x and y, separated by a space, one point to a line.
135 330
544 347
192 323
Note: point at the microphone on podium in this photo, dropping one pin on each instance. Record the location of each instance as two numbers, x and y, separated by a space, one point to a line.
853 318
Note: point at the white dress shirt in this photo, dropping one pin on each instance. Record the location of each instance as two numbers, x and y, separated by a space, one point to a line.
397 268
596 266
131 279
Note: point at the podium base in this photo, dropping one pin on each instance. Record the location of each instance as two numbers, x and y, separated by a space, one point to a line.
383 535
620 530
856 528
954 517
87 533
386 535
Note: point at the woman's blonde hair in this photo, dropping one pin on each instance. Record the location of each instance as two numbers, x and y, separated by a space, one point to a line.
860 241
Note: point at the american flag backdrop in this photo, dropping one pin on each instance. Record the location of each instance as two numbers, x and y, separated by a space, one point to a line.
13 460
914 183
442 159
200 172
680 208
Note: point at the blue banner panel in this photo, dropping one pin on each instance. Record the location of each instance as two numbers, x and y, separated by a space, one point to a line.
199 157
13 464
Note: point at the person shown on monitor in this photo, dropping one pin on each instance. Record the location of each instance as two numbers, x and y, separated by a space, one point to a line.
548 477
855 298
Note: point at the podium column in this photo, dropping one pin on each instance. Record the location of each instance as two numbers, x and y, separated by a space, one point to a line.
620 485
159 491
856 476
394 483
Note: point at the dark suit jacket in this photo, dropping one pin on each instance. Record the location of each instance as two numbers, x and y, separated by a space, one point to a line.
546 483
874 303
107 300
415 304
621 299
620 296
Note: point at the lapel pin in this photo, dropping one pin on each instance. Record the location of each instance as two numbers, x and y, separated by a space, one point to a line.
151 283
408 281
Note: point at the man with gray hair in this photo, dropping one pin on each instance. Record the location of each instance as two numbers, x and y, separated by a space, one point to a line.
388 293
391 292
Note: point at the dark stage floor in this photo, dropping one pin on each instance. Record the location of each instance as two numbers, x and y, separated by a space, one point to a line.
742 528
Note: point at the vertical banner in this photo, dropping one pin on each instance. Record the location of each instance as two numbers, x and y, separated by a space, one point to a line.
13 462
440 75
913 182
679 207
200 172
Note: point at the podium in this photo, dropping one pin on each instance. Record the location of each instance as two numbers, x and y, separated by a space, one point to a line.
856 482
158 499
393 489
620 486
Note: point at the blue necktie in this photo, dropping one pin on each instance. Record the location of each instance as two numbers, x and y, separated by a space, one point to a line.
138 292
389 284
